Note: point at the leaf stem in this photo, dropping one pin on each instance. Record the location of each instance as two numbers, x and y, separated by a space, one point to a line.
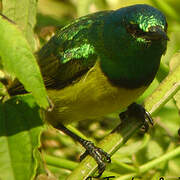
162 72
165 91
60 162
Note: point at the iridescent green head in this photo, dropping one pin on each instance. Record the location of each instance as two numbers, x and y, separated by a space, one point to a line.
145 22
134 38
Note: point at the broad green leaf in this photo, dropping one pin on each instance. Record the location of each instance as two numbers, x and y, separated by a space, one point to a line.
23 13
20 129
18 60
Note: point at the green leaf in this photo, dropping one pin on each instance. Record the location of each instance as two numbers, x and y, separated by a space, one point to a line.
23 13
18 60
20 129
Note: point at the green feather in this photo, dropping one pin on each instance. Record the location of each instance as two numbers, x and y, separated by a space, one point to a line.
101 62
129 57
70 53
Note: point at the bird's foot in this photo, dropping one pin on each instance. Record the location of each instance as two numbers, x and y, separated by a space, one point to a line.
97 153
140 112
100 156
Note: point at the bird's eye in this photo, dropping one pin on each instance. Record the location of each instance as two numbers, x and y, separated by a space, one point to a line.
134 30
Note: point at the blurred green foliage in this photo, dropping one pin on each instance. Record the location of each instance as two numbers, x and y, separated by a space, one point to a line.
60 152
163 137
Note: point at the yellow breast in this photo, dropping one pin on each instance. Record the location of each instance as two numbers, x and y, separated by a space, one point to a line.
91 97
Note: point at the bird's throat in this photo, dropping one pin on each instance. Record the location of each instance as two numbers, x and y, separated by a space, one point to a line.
131 73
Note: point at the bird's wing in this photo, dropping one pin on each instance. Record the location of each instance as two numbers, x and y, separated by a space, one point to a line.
69 54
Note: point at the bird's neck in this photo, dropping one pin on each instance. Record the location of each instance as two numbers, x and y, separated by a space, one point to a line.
131 70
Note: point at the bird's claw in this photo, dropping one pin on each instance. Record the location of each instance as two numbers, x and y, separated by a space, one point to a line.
100 156
140 112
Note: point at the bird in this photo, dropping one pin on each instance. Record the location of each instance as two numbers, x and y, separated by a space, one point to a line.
100 63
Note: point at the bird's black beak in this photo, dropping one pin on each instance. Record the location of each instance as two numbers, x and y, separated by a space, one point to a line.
157 33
